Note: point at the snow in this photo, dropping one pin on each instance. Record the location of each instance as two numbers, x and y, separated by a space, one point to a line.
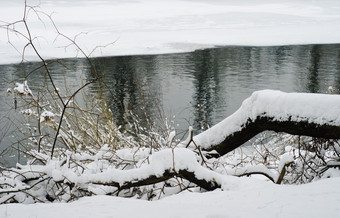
259 168
154 27
331 172
281 106
22 89
285 159
167 159
253 199
27 111
171 137
239 197
46 116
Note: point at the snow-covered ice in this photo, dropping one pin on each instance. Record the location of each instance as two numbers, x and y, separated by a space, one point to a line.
153 27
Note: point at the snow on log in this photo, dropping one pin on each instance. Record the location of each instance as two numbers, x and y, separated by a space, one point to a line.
164 164
316 115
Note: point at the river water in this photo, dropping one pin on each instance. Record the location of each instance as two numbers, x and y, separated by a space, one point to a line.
198 88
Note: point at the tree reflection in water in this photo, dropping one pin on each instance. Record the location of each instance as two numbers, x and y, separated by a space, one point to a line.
200 87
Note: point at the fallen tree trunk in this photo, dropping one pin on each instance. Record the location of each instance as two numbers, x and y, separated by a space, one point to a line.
263 123
164 164
315 115
207 184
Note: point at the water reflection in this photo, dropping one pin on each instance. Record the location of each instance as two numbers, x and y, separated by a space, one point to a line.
130 85
313 84
200 88
206 87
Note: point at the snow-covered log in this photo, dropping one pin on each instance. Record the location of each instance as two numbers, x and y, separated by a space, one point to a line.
315 115
207 184
56 180
165 164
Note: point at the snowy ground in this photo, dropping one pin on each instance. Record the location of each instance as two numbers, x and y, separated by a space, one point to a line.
253 198
163 26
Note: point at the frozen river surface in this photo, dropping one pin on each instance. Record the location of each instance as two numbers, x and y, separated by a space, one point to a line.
154 27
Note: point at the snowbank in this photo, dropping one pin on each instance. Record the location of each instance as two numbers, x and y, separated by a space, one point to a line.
154 27
254 199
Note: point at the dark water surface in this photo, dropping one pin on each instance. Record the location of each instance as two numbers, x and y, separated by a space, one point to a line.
198 88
